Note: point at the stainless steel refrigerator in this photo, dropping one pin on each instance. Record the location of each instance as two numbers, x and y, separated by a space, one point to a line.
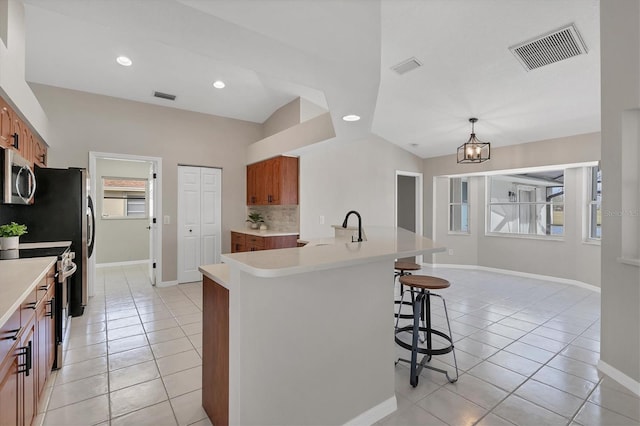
62 211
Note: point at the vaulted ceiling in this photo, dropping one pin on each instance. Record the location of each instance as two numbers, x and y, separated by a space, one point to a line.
337 54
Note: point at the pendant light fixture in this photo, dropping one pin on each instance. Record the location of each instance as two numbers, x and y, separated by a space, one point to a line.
474 150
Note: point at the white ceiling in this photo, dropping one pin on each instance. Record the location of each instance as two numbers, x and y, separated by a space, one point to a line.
335 53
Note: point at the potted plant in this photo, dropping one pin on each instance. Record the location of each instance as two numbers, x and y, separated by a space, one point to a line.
10 234
255 219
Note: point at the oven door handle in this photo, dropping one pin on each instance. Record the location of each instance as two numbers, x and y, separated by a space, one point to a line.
67 272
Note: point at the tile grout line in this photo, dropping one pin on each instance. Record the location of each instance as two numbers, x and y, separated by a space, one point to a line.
567 344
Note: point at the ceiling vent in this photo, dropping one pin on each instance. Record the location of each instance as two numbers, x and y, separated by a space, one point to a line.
406 66
164 96
553 47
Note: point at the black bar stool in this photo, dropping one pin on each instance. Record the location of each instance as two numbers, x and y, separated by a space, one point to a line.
402 269
420 286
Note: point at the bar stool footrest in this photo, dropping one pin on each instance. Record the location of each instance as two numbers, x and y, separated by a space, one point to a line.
427 351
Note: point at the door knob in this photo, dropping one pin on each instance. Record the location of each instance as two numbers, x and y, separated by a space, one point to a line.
190 230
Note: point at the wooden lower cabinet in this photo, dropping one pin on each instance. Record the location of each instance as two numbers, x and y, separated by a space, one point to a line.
11 389
215 351
248 242
27 364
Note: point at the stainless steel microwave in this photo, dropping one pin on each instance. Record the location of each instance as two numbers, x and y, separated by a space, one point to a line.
18 180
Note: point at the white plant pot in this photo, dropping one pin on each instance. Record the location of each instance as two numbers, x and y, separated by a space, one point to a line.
9 243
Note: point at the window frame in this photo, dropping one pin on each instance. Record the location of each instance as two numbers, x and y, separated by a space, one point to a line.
125 198
451 203
594 179
514 201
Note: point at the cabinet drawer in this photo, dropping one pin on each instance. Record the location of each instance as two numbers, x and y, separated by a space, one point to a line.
7 334
237 238
255 243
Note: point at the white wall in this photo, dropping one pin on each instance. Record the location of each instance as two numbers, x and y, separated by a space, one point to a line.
620 71
82 122
13 86
338 176
571 258
123 239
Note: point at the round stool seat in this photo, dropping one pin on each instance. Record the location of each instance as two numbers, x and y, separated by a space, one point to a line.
407 266
424 281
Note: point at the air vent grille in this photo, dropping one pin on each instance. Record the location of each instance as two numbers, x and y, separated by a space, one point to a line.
406 66
556 46
164 96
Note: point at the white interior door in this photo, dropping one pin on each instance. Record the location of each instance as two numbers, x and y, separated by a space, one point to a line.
199 220
189 209
210 214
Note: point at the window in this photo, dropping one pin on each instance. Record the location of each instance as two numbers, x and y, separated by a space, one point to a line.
527 204
459 205
595 203
124 198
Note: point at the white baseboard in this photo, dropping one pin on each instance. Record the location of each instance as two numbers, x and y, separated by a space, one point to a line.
373 414
127 263
166 283
619 377
518 274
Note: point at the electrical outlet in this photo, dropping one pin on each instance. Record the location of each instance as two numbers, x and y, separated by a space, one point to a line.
321 220
166 220
450 252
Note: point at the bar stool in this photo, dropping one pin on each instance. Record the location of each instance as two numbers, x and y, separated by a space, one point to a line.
402 269
421 286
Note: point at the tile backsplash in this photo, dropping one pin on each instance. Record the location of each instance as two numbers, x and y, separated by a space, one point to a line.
279 218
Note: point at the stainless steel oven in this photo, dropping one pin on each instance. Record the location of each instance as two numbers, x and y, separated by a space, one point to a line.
65 268
17 178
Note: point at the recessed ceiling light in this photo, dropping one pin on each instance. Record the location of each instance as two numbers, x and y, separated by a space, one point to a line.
351 117
124 61
219 84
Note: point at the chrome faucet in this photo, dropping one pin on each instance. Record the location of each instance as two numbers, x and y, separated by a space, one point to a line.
346 219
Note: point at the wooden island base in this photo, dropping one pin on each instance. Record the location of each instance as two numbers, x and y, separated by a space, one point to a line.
215 349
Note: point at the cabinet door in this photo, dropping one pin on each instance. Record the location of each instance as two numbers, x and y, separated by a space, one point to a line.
26 143
238 242
30 375
16 129
10 388
251 179
6 125
288 180
272 179
45 330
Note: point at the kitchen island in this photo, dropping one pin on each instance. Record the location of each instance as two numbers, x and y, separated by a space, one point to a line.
304 335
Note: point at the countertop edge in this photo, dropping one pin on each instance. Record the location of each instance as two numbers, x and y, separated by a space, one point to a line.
282 272
218 272
5 316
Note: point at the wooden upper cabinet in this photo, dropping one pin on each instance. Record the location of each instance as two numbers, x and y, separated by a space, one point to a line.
273 182
29 145
6 125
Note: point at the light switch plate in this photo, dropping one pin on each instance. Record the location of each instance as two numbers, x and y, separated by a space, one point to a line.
166 220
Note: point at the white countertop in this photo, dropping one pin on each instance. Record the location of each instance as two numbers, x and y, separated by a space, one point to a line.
383 243
267 233
218 272
48 244
18 278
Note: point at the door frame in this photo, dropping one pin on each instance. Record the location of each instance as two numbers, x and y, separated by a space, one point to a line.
157 208
419 203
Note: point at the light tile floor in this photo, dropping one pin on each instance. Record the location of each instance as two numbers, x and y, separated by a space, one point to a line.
527 351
